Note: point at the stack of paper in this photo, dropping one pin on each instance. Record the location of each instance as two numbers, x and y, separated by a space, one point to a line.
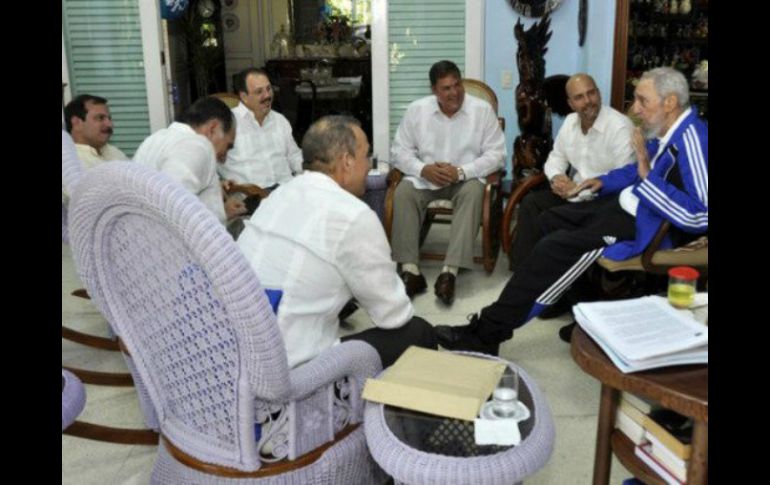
644 333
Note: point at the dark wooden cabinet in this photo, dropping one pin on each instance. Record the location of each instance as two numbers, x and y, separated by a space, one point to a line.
360 108
657 33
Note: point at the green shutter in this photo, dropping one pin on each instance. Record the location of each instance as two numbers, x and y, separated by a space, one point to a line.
419 34
103 40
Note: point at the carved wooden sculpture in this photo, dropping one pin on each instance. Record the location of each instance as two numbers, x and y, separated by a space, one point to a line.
531 147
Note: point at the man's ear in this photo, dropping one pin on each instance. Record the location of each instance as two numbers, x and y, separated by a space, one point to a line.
242 96
670 103
211 129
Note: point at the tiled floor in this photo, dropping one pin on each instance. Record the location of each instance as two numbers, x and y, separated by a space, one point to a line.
573 395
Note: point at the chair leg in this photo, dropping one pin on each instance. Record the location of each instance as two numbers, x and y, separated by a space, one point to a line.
103 343
102 378
124 436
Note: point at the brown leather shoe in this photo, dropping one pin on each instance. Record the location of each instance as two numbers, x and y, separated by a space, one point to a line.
414 283
445 288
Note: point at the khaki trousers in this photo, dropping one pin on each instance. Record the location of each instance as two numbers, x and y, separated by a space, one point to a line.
409 206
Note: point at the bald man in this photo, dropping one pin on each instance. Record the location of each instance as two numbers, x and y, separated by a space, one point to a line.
592 141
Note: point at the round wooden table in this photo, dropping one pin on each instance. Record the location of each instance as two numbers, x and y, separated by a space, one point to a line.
683 389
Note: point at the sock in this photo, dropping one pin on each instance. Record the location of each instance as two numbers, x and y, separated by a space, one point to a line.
449 269
411 268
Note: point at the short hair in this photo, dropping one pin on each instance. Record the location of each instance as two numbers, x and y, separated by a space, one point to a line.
326 140
668 81
442 69
77 107
205 109
239 81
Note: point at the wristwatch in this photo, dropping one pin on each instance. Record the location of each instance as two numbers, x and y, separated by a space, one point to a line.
460 174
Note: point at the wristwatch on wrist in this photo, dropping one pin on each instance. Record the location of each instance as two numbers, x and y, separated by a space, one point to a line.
460 174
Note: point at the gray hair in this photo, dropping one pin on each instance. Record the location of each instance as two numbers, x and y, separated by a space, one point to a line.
327 140
668 81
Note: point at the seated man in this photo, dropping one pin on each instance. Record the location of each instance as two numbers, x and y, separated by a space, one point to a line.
88 121
319 244
445 145
188 151
264 153
592 141
669 181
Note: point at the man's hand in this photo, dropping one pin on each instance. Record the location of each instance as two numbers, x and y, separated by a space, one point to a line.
642 157
439 173
594 185
234 207
226 185
561 185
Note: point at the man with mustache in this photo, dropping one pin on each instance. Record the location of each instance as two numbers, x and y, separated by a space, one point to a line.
265 153
668 182
88 120
592 141
446 145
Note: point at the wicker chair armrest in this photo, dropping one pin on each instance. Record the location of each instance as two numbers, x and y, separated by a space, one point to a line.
355 359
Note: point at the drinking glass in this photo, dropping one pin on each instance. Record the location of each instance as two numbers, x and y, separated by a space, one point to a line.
505 397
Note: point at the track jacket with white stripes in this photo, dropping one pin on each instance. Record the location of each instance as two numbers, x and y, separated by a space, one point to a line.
676 189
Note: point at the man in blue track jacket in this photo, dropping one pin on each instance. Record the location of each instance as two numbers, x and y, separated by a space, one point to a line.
669 181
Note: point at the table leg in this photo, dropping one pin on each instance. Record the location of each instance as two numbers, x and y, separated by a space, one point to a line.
697 474
603 456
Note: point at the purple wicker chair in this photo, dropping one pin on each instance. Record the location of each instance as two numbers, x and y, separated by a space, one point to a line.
72 171
73 398
408 465
204 340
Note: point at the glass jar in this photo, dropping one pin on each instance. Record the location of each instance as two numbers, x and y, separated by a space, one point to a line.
681 286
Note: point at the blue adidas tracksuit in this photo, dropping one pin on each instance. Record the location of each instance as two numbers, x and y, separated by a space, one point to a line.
576 235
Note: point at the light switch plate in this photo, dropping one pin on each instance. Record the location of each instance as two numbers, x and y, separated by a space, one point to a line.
506 79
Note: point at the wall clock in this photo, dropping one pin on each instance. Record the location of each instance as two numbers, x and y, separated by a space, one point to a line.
534 8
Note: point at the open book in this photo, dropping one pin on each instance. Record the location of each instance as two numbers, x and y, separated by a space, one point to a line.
644 333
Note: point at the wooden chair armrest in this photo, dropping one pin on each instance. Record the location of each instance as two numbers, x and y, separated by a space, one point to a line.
394 178
248 189
519 191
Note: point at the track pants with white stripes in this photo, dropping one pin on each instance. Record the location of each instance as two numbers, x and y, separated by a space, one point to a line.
574 236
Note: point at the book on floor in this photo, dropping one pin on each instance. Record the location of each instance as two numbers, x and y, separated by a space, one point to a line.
644 333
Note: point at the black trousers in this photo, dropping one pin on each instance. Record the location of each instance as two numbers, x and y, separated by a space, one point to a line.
574 236
391 343
528 231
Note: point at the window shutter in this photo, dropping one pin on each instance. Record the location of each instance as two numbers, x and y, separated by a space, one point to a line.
104 55
420 34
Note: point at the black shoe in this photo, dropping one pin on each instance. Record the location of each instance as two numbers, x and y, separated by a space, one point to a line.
414 283
565 332
445 288
464 337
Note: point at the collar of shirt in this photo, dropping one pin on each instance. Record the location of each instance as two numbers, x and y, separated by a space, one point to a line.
437 108
183 127
93 151
241 112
